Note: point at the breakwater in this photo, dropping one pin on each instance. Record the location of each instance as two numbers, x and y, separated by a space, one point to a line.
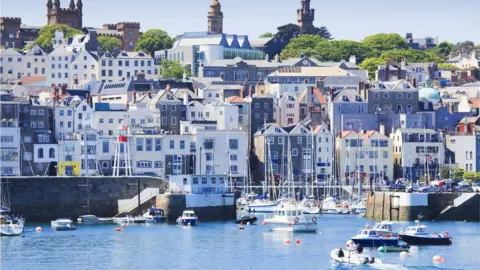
400 206
41 199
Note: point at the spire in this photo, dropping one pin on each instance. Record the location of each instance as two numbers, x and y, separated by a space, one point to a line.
72 5
49 4
57 3
79 5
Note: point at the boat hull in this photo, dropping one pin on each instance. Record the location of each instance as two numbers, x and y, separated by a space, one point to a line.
187 221
352 258
262 208
252 220
72 228
299 227
11 230
375 242
426 241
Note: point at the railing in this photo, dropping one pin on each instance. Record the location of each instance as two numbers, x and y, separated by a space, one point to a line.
125 206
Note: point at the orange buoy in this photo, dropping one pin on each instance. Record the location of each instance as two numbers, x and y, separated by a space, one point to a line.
287 241
118 229
438 259
124 225
297 241
38 229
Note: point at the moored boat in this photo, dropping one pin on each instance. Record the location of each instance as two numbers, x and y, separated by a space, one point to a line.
87 219
290 218
370 238
188 218
385 228
154 215
63 224
262 206
10 224
246 220
418 235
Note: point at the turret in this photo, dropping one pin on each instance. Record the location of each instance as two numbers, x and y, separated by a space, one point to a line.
49 4
79 5
72 5
57 4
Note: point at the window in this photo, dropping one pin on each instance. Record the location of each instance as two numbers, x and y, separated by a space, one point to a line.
158 144
280 140
164 120
105 146
299 140
182 144
40 153
233 157
148 144
409 95
144 164
158 164
195 180
399 95
208 156
51 153
234 169
33 112
174 120
233 143
295 152
386 96
204 179
139 144
172 144
208 144
376 95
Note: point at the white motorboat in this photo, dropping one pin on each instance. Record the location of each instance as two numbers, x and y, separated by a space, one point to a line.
290 218
418 236
63 224
87 219
11 225
154 215
330 206
351 257
370 238
310 206
188 218
262 206
359 207
106 220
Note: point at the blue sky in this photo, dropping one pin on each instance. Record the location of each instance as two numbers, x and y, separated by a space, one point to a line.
346 19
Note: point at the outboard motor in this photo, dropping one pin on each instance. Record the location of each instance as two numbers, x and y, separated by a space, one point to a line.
372 260
365 260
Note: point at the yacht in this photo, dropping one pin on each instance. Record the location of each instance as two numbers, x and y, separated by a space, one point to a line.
372 238
63 224
310 206
87 219
418 235
10 224
188 218
330 206
290 218
154 215
262 206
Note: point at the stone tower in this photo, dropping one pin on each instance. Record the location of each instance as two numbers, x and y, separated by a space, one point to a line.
215 18
305 15
71 16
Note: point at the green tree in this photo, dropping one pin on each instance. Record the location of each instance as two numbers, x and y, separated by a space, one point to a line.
305 45
47 33
446 66
266 35
154 40
371 65
173 69
445 172
410 55
379 43
109 43
292 30
465 47
443 49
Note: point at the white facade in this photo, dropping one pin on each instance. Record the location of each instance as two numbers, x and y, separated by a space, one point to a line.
35 62
10 149
280 89
288 111
464 60
58 66
84 68
45 153
83 117
125 66
323 152
464 147
366 155
64 120
11 65
198 184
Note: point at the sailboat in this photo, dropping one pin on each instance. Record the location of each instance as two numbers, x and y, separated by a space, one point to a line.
11 224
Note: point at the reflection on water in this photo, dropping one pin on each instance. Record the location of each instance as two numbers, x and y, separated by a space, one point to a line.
220 246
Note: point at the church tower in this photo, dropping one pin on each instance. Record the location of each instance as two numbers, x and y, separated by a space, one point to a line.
215 18
305 15
71 16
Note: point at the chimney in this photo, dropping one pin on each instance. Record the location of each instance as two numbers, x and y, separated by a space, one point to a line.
267 57
387 71
63 90
250 90
277 58
331 93
382 128
185 97
134 97
414 82
471 128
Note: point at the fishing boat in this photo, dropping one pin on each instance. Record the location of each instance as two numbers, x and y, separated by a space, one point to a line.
87 219
63 224
399 248
371 238
246 220
188 218
154 215
418 235
290 218
351 257
10 224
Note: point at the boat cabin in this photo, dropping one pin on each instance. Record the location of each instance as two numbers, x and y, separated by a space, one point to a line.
384 226
288 213
417 230
199 184
156 212
188 214
367 234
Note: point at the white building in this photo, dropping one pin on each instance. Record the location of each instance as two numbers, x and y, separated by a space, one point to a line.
464 147
10 149
419 152
288 111
366 155
84 68
128 64
64 119
323 152
465 60
225 115
58 71
11 65
35 62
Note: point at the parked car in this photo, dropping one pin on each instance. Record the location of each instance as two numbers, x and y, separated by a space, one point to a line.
432 189
411 188
463 188
476 187
397 187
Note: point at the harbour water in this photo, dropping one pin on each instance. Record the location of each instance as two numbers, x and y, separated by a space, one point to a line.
221 246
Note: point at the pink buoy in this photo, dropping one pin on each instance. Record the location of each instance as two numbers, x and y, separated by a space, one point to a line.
264 223
38 229
438 259
287 241
124 225
118 229
297 241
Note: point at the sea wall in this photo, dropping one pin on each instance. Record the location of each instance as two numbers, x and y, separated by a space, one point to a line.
41 199
208 207
400 206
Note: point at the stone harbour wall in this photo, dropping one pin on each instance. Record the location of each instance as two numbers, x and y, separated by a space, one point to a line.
41 199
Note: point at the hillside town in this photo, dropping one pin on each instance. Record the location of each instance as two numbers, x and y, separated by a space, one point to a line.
241 106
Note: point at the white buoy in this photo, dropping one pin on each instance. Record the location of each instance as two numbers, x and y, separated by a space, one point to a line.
38 229
403 254
437 259
248 223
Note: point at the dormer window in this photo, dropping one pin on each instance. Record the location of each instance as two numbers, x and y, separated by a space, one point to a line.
344 98
357 98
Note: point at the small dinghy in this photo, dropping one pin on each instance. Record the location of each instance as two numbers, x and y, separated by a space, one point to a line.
399 248
246 220
351 257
